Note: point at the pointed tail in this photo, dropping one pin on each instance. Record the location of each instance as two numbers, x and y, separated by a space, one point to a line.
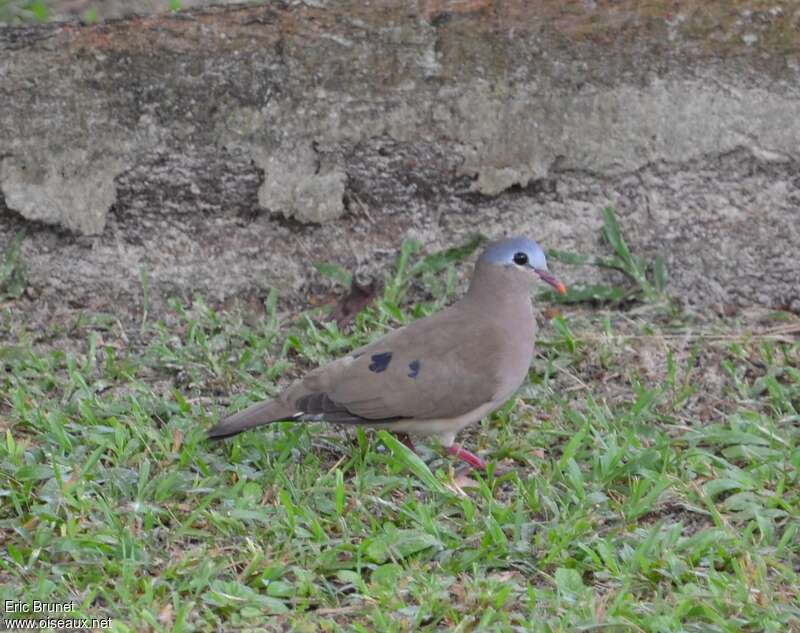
256 415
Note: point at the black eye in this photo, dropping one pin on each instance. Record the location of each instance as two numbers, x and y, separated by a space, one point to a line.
520 259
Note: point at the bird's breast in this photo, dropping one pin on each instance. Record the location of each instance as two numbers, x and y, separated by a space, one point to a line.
517 353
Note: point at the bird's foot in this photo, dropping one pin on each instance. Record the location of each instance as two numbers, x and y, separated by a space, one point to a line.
471 458
405 438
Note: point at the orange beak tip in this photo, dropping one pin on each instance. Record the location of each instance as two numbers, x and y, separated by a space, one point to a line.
561 288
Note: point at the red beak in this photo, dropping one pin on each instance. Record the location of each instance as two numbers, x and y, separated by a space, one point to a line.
549 279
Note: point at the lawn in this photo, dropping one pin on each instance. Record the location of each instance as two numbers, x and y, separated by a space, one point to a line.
646 479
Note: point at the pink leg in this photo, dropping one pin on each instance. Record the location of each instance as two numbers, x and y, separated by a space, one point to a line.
405 438
471 458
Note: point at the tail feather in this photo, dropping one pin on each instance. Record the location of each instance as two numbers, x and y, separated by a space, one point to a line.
256 415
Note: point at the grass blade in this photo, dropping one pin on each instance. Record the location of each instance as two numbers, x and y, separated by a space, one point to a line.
411 461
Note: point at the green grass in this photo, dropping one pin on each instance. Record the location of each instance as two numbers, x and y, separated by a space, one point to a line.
13 278
650 484
23 11
17 12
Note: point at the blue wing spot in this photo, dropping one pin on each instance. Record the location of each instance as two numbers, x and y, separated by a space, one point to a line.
414 366
380 362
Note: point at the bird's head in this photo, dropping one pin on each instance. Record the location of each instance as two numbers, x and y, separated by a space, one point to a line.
520 256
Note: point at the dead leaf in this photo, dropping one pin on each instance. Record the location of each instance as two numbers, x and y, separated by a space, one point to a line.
458 590
505 576
177 440
461 480
165 616
551 312
359 297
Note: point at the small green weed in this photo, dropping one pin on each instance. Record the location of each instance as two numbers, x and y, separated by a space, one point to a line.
426 271
13 278
20 11
649 279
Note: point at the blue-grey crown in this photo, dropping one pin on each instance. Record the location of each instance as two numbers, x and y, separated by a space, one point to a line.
502 252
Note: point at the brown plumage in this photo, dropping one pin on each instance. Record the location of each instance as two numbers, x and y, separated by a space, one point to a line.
434 376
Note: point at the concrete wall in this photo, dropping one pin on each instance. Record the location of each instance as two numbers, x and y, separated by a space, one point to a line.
226 150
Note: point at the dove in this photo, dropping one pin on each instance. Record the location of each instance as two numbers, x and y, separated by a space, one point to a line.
434 376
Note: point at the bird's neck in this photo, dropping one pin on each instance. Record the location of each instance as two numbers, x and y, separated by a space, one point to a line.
496 290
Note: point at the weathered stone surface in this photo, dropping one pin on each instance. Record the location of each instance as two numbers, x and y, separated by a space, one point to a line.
298 179
72 188
176 144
